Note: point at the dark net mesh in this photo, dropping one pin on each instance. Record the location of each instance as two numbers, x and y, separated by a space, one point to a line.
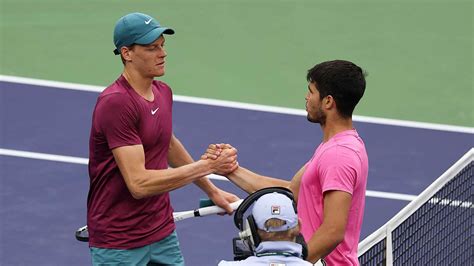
375 255
438 233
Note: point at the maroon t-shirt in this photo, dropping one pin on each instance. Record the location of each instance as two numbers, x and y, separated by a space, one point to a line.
121 118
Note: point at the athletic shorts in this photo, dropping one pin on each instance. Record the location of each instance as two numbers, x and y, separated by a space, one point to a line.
163 252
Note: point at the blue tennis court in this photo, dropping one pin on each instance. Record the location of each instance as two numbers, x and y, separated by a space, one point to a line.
44 199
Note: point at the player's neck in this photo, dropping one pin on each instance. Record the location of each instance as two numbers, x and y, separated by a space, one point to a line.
139 83
334 126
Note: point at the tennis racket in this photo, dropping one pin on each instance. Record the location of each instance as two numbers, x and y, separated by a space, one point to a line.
83 235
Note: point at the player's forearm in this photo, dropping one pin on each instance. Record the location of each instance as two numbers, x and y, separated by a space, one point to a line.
324 240
205 185
179 156
251 182
147 183
177 153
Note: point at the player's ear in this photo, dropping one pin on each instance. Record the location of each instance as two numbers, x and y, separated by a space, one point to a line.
329 102
125 52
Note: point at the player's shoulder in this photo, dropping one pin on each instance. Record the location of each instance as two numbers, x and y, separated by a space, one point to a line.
348 138
115 98
115 90
161 85
348 142
163 89
337 154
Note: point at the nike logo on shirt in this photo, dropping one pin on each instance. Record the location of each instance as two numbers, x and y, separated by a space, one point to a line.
153 112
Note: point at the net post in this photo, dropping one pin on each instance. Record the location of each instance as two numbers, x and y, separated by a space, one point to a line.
388 247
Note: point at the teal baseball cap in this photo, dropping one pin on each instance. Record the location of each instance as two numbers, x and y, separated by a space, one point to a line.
137 28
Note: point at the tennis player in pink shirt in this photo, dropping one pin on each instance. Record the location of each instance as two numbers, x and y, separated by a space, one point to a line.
330 187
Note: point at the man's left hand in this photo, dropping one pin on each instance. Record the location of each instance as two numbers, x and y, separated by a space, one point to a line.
222 199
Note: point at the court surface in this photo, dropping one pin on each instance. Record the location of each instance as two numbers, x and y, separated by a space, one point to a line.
418 55
44 199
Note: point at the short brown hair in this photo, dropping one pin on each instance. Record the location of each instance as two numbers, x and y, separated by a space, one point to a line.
288 235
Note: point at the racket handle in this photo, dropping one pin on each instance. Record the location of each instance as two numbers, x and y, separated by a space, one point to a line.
215 209
236 204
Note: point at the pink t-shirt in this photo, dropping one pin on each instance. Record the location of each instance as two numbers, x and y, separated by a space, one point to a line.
121 118
340 164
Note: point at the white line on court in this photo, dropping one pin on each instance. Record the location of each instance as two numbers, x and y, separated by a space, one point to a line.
245 106
84 161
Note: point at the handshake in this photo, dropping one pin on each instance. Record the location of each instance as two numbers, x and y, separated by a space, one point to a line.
222 158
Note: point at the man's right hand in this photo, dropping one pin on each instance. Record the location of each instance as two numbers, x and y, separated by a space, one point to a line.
222 158
214 150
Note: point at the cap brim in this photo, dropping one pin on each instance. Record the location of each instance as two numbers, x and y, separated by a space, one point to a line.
153 35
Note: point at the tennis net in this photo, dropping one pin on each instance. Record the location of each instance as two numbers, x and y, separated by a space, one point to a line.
434 229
